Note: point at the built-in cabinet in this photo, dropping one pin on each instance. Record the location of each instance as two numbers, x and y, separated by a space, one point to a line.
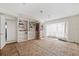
22 30
32 30
26 30
41 30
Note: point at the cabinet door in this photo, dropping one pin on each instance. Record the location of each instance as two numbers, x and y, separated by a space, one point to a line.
22 36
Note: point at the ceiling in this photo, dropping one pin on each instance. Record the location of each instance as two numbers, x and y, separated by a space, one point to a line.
43 11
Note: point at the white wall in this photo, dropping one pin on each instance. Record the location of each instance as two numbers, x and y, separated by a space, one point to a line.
72 27
2 19
0 32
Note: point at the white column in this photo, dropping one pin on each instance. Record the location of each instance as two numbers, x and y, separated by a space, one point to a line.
17 29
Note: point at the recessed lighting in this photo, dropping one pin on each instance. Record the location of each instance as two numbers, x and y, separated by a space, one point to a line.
23 3
41 11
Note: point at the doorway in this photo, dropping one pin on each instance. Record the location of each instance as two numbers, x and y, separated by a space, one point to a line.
10 31
37 30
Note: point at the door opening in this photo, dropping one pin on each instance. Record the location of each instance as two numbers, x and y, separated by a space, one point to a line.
10 31
37 31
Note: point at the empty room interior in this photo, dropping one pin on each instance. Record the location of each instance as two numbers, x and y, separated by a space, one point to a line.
39 29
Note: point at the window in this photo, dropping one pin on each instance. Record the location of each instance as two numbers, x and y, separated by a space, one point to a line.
56 30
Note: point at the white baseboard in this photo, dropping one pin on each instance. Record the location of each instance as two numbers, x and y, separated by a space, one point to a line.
2 46
10 41
22 40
